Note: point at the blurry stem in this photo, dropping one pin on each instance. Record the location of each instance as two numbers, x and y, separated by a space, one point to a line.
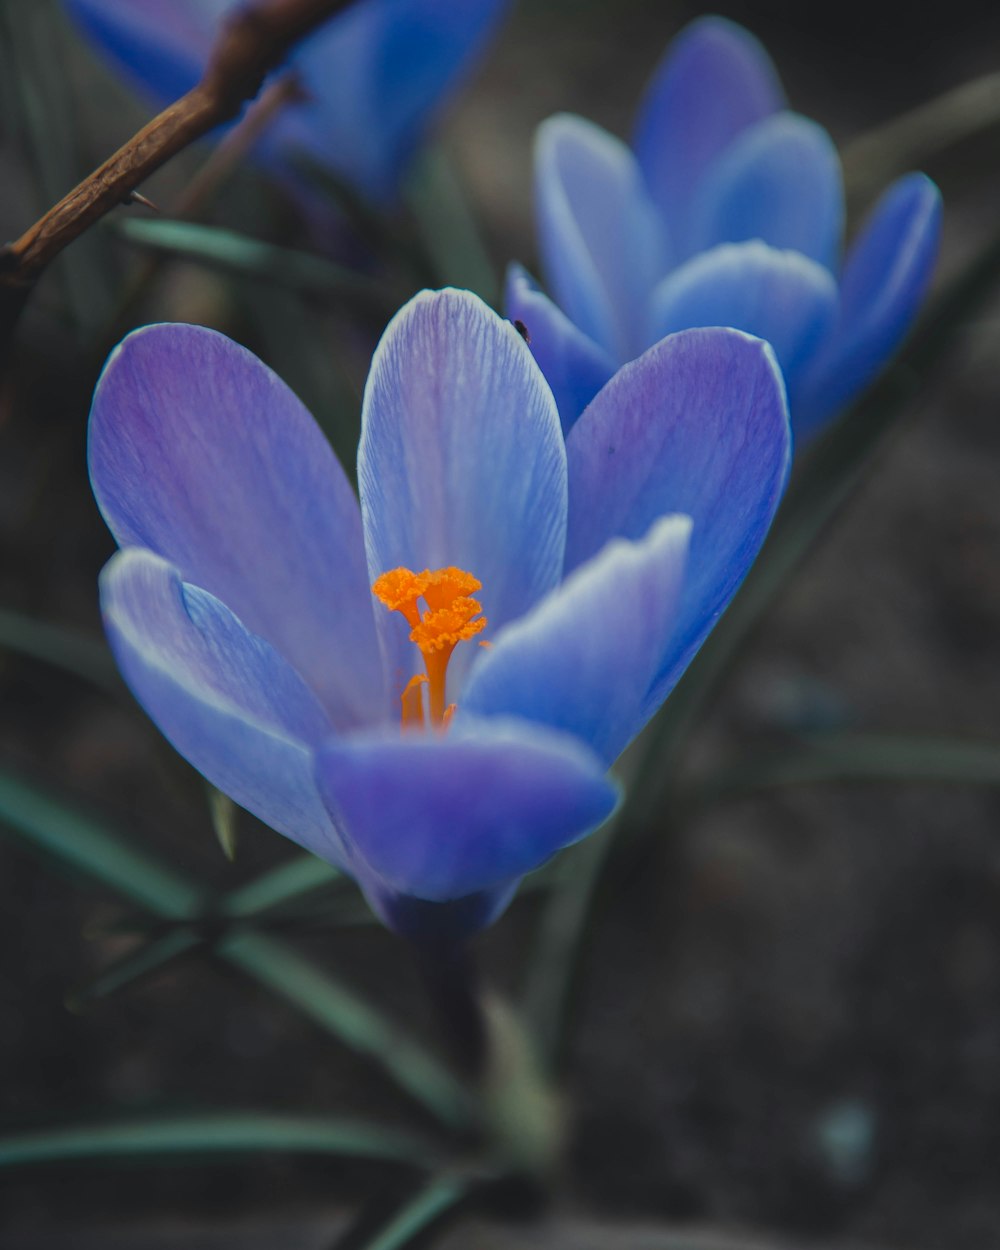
923 133
451 983
428 1205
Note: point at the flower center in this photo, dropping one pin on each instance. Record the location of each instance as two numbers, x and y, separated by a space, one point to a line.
451 617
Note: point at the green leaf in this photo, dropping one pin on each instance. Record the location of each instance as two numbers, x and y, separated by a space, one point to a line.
448 228
439 1196
88 847
76 653
213 1133
287 883
224 813
349 1018
239 254
860 757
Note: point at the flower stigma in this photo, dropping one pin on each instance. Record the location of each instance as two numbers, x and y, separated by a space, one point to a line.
451 616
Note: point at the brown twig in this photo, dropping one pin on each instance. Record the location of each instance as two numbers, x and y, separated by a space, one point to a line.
252 44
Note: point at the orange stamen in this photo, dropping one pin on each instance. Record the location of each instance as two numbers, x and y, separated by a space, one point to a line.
452 616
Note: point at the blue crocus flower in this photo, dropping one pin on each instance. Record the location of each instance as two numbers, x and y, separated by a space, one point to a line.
319 661
370 79
728 210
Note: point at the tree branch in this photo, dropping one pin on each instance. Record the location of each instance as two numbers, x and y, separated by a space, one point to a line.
251 44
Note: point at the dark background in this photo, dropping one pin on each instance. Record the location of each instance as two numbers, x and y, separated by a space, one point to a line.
790 1016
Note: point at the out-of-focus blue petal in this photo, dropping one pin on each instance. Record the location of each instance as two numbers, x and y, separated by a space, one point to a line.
574 366
584 659
714 81
441 817
698 425
462 462
779 296
161 46
226 699
375 76
885 279
200 453
780 181
600 237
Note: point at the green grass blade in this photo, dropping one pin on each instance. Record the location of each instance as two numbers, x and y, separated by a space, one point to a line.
215 1133
350 1019
282 885
86 846
439 1196
237 253
860 758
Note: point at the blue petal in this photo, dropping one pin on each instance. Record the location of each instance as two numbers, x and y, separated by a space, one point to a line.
441 817
574 366
714 81
224 698
698 426
885 279
782 297
584 659
780 181
451 921
161 46
375 76
461 462
200 453
600 237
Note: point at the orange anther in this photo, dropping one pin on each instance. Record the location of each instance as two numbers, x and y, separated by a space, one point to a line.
452 616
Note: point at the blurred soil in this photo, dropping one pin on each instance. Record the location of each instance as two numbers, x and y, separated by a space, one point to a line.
790 1019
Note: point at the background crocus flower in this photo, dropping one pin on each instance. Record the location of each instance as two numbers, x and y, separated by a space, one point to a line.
319 661
371 78
728 210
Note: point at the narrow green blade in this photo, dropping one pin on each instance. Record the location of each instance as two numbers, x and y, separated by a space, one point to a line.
239 254
353 1021
285 884
88 847
439 1196
225 1133
862 758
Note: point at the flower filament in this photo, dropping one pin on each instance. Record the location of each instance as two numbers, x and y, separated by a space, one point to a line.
451 616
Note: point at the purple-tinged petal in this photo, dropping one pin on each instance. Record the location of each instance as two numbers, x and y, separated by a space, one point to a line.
885 279
224 698
779 296
440 817
699 426
200 453
601 239
715 81
161 46
374 77
780 181
574 366
462 462
583 660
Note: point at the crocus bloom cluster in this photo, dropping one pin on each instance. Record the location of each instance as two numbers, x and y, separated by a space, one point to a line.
728 210
370 79
321 661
